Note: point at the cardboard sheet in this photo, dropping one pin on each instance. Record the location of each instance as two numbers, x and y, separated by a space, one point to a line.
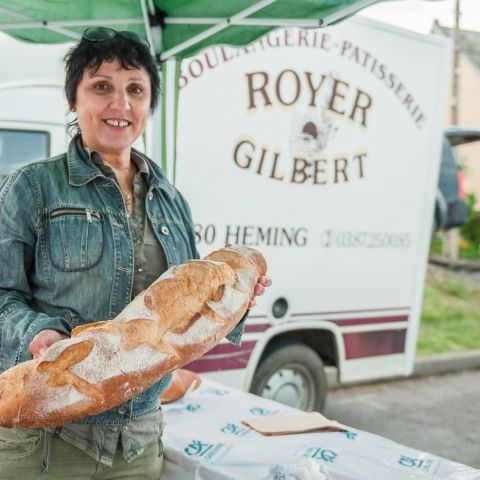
292 424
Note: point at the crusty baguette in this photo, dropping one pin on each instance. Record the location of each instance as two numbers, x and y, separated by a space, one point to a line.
182 315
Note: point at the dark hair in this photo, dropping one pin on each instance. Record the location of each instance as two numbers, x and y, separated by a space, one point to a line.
91 54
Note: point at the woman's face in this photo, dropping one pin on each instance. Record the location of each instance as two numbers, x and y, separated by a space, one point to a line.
112 106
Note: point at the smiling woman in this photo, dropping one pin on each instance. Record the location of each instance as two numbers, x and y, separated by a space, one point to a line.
112 106
112 90
82 234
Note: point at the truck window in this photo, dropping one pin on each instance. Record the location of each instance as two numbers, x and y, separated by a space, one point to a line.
19 147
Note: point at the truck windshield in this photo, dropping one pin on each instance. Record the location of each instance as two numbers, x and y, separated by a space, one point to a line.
19 147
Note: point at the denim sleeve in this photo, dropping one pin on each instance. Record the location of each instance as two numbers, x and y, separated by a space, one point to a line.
235 336
20 220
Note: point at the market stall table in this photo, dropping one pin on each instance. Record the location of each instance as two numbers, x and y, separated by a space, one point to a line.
205 439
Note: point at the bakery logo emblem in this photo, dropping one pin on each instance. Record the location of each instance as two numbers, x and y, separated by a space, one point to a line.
218 392
192 407
235 429
351 435
311 133
317 104
203 451
262 412
422 464
318 453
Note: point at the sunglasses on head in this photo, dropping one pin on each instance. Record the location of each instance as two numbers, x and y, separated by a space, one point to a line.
100 34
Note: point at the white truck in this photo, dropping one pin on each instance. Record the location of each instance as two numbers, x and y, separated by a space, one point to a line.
320 148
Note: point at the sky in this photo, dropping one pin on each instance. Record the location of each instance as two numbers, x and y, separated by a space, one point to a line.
419 15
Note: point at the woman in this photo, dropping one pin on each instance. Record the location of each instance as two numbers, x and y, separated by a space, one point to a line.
80 235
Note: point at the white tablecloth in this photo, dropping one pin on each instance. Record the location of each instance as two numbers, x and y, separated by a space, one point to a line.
204 439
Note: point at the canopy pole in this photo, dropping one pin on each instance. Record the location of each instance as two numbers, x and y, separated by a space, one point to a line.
151 7
217 28
249 22
56 29
146 24
170 74
69 23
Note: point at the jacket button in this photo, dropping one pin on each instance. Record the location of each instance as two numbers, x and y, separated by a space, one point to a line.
122 410
165 230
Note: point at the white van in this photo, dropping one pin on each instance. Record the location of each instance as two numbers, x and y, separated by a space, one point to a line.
320 148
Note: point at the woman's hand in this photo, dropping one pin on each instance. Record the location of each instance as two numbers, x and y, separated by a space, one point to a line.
262 283
182 382
42 340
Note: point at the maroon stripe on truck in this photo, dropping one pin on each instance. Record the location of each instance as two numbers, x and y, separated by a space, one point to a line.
225 356
338 312
259 327
370 344
370 320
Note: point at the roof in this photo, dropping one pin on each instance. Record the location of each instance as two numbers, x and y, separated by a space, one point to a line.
469 41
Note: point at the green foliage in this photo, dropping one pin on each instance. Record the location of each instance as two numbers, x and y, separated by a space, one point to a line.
469 247
450 318
471 228
469 250
437 245
455 288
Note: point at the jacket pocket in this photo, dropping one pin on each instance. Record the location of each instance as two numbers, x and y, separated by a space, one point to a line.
75 238
18 443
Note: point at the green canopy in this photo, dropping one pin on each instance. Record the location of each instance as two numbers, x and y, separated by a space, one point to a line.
173 27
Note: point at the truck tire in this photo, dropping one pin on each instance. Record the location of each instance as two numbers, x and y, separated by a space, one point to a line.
292 374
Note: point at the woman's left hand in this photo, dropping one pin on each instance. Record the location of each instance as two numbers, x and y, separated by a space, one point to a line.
262 284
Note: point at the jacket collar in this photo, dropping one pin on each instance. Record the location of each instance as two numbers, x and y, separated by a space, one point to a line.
157 178
82 170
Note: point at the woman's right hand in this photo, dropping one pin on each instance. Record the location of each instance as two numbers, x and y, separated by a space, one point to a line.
42 340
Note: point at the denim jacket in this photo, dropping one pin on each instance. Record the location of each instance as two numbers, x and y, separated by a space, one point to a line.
66 255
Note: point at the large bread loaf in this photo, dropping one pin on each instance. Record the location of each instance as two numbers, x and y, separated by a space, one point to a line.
182 315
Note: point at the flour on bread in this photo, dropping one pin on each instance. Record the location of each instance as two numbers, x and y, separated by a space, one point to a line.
107 361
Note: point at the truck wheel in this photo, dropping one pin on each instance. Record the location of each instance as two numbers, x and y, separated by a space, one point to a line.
292 374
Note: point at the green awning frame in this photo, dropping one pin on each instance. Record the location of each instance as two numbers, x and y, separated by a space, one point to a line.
179 28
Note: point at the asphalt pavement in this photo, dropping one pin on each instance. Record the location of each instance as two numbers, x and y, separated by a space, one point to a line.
438 414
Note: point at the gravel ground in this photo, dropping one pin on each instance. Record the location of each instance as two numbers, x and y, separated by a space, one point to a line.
438 414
